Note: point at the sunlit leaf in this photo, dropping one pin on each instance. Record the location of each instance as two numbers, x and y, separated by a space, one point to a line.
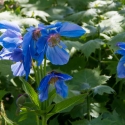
90 46
101 89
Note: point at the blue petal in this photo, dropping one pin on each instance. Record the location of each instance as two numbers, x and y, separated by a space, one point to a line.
26 42
27 63
122 52
11 43
43 95
18 69
63 45
5 54
9 25
40 58
17 55
71 30
41 44
61 88
57 55
121 68
62 76
44 82
43 87
121 45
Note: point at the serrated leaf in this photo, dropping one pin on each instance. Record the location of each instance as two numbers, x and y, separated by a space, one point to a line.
71 44
110 27
30 91
100 121
101 89
82 16
90 77
89 47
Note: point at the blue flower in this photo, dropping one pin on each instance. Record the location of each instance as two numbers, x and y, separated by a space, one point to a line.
58 79
121 63
15 56
11 38
50 42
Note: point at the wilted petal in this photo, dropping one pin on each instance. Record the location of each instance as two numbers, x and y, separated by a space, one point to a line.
18 69
9 25
57 55
121 68
61 88
71 30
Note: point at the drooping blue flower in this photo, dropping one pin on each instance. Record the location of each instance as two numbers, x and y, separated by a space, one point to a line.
50 42
58 79
121 63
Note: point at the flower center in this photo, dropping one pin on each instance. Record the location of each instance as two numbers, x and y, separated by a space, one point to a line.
53 80
36 34
53 40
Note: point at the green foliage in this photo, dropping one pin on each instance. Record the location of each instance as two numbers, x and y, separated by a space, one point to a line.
104 22
102 89
87 78
90 46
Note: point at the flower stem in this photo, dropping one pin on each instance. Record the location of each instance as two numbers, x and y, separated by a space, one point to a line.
37 120
35 72
44 120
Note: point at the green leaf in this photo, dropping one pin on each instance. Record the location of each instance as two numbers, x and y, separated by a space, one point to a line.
101 89
100 121
30 91
82 16
118 38
89 47
88 78
66 104
81 122
54 121
6 64
2 93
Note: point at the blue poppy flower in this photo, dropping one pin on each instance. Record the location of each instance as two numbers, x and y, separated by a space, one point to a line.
121 63
50 42
58 79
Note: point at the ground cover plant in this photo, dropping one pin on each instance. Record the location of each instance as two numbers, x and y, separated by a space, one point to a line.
62 62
